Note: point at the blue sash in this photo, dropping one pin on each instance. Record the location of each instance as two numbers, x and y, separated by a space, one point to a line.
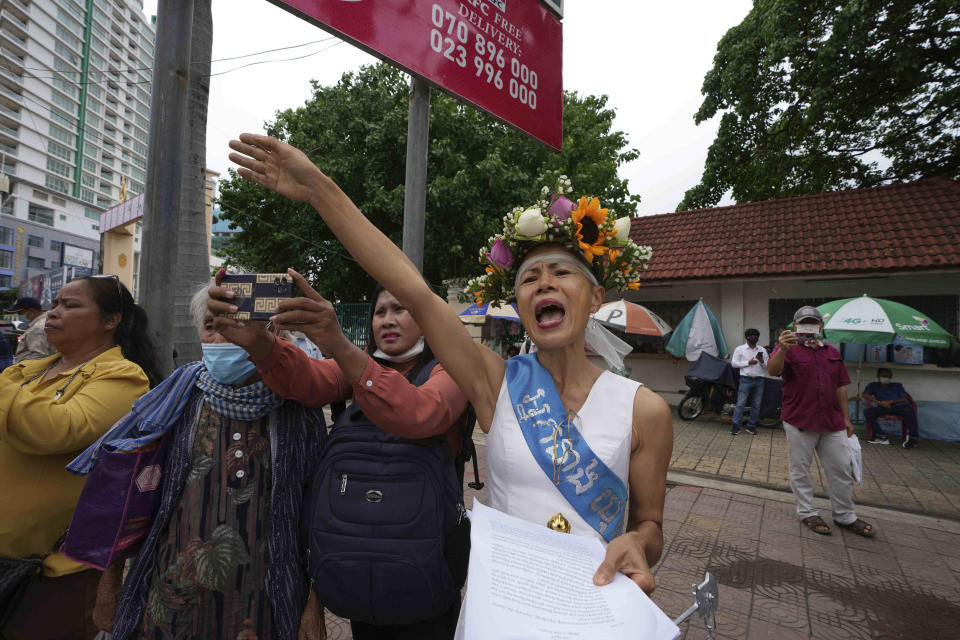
590 487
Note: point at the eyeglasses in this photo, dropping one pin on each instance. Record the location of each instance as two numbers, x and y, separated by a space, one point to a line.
116 279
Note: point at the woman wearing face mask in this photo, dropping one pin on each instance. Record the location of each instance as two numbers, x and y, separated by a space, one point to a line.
379 381
50 409
222 558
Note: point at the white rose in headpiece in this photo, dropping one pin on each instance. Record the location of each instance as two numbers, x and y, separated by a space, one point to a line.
531 223
622 229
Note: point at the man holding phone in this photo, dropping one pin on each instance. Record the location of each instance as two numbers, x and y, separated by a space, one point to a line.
750 359
815 418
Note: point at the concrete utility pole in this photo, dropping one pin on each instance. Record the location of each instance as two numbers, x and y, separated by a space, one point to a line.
415 182
166 269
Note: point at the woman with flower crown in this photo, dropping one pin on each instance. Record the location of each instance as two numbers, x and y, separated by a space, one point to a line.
569 445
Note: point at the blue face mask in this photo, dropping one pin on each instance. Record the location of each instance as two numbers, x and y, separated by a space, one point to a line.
227 363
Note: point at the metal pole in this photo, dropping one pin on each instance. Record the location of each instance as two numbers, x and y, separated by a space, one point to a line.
158 260
415 182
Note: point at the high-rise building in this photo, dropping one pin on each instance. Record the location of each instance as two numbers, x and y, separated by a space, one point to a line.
74 123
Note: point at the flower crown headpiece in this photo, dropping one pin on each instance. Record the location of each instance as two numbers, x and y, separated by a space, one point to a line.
584 226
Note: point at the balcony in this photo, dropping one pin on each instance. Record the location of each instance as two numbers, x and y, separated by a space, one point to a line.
10 78
9 94
13 114
13 132
14 42
18 6
7 149
14 61
13 18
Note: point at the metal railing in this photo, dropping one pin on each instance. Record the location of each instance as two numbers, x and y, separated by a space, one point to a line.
353 321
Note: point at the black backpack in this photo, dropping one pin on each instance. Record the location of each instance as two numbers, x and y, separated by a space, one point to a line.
384 522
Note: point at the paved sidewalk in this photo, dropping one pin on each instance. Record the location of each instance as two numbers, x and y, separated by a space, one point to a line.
922 480
780 580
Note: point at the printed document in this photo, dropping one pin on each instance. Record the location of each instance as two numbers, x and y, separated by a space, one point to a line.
528 582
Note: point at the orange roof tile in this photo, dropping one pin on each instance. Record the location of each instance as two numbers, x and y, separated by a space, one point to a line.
912 226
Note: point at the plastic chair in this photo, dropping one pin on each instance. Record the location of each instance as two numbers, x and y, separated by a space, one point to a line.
892 416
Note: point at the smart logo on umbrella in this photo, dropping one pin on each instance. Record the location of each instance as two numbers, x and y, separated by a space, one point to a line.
924 325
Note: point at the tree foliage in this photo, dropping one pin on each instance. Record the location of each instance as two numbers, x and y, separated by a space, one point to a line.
817 96
478 169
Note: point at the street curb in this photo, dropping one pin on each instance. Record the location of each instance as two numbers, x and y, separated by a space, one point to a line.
777 494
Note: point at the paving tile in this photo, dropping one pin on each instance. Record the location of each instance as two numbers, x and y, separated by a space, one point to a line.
792 555
839 629
673 603
735 599
764 629
696 631
780 612
707 523
730 624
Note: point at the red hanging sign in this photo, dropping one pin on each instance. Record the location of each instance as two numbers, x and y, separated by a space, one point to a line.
502 56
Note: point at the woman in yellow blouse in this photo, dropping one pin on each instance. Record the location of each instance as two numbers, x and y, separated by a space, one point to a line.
50 410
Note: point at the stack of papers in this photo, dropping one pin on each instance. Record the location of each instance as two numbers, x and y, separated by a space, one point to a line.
531 583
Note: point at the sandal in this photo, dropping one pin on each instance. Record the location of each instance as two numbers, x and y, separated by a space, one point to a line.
817 525
859 527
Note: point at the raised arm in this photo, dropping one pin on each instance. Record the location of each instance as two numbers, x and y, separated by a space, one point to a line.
287 170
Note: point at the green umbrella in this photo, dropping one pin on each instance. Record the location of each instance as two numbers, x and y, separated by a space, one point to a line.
867 320
699 331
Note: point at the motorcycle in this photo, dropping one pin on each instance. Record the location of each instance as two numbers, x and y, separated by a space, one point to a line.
713 385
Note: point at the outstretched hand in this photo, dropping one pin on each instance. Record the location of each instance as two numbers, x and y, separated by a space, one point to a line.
276 165
625 554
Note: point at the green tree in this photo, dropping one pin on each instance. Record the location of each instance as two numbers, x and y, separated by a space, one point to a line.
478 169
817 96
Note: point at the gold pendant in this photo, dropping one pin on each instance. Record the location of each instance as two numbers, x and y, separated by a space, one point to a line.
559 523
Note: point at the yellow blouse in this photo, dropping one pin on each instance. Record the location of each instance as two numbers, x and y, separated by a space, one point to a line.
40 434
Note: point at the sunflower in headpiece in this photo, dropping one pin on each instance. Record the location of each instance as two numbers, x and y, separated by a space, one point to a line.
584 227
591 222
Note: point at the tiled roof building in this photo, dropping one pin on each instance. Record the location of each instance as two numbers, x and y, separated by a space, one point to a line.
912 227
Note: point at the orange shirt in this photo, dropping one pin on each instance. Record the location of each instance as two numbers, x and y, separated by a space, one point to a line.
387 398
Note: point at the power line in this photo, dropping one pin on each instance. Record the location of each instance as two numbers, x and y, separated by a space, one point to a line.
246 55
253 64
59 74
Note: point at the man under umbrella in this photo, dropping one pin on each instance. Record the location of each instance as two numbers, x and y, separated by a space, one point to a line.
890 398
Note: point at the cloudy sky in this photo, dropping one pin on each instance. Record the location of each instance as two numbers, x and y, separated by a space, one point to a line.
648 57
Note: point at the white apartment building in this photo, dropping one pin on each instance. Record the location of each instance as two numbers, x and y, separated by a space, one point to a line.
75 84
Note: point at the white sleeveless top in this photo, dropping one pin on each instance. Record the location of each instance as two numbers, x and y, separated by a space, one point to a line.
518 485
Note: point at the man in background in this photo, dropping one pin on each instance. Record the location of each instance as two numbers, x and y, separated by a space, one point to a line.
890 399
33 343
751 360
815 419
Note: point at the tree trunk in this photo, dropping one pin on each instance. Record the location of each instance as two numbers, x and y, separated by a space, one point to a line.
193 252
